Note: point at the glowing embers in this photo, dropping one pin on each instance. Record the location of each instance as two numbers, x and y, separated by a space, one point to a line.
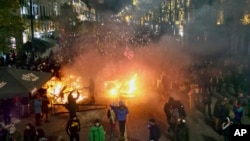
125 89
58 90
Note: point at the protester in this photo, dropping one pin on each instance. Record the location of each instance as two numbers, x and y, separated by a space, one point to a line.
97 132
3 133
73 128
45 107
121 113
154 130
38 109
207 101
72 105
168 108
29 133
226 128
243 100
91 89
112 120
6 107
14 135
181 133
40 135
220 112
238 111
25 107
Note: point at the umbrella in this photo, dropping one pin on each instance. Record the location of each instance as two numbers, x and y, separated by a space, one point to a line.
20 83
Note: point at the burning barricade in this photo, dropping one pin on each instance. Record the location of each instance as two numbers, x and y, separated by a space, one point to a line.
122 89
59 89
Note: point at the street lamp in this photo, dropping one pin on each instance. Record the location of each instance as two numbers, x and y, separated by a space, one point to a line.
32 29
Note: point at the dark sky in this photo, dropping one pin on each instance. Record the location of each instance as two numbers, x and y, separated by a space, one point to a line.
108 5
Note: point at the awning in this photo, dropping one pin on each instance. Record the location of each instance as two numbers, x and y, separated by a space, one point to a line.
20 83
39 45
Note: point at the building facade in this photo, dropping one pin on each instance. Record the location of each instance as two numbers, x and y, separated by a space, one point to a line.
45 13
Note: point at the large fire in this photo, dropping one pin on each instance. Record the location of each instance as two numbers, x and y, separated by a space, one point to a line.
59 89
126 89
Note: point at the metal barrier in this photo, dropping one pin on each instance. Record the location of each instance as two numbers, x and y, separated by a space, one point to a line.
61 108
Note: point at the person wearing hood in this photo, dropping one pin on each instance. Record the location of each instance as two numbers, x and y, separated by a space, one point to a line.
97 132
29 133
40 135
3 133
14 135
181 133
73 128
121 113
168 110
154 130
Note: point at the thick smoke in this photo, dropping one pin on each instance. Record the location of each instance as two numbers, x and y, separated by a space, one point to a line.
99 52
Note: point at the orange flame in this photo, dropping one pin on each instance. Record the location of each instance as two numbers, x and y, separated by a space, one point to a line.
58 90
125 89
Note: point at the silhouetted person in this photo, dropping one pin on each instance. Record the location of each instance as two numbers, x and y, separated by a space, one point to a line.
3 133
40 135
29 133
154 130
91 89
181 132
207 100
25 106
72 105
45 107
6 106
168 108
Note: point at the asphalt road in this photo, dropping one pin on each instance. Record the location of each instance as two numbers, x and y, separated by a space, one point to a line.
140 110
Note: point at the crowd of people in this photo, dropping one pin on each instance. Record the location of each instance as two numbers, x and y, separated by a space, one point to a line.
216 86
30 133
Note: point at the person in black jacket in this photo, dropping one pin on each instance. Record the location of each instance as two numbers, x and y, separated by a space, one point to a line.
3 133
45 107
73 128
154 130
181 132
167 110
6 107
207 101
40 135
72 105
29 133
226 128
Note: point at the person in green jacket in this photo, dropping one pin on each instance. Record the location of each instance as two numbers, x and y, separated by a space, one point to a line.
97 132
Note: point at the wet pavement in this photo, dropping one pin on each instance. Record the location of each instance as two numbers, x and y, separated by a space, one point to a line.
200 127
